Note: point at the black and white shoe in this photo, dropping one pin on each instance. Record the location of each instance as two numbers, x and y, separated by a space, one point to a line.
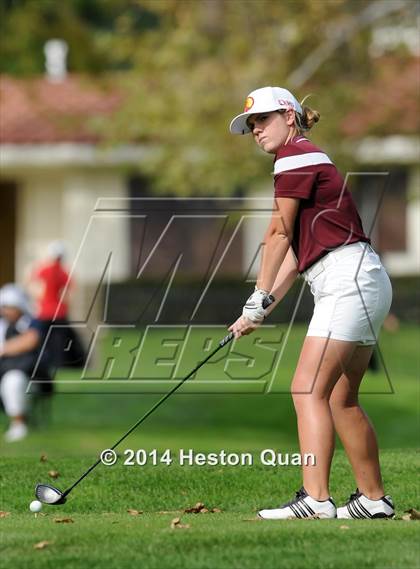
361 507
302 506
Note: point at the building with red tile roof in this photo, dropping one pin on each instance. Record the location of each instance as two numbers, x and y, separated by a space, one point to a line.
41 111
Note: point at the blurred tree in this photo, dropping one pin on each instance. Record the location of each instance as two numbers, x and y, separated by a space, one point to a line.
86 25
186 66
191 75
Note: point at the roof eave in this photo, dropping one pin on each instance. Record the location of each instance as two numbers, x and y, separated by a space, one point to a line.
396 149
66 154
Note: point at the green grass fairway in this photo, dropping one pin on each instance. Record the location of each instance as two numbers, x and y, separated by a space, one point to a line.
103 534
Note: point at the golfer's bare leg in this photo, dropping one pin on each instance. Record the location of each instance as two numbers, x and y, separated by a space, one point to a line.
320 365
354 428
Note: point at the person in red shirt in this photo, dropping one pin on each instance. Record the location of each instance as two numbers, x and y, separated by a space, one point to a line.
315 231
52 279
51 286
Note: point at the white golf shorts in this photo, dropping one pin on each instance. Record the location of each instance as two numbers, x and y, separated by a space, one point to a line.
352 294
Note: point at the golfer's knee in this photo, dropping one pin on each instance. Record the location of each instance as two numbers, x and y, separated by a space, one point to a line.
13 392
305 392
342 403
303 400
300 402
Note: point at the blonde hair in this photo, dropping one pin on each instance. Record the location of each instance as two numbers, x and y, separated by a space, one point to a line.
305 121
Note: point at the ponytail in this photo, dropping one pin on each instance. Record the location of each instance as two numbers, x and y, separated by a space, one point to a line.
306 120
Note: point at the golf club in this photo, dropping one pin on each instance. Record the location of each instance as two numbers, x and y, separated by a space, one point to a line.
53 496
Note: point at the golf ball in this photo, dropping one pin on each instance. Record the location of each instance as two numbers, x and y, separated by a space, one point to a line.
35 506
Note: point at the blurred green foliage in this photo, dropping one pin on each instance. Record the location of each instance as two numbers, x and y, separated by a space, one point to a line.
185 67
92 28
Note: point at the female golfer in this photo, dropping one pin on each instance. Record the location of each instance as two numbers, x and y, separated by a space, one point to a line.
315 231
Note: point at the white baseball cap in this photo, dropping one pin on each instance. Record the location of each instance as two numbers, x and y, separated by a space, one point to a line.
264 100
13 296
56 249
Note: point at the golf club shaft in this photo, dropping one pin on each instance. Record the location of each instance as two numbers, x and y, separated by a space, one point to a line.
222 343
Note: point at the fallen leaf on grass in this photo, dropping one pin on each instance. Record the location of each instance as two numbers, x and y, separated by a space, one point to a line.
176 524
168 512
4 514
344 527
175 521
411 514
42 544
134 512
63 521
200 508
53 474
43 458
195 509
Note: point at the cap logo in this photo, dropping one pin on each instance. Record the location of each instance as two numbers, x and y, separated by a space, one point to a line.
248 104
285 103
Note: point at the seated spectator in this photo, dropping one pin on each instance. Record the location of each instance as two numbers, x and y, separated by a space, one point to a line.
20 340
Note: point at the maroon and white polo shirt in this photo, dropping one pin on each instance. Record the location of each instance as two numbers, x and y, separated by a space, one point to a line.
327 216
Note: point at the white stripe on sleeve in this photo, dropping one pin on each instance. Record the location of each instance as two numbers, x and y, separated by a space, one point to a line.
299 161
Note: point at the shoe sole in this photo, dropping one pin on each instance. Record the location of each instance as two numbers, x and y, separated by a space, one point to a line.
314 517
379 516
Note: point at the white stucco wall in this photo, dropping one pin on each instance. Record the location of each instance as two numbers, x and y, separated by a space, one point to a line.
38 215
61 205
408 262
259 206
58 187
58 202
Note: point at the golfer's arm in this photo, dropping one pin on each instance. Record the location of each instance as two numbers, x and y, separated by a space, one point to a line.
277 241
285 278
20 344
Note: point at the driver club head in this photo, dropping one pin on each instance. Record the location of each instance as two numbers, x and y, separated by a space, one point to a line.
48 494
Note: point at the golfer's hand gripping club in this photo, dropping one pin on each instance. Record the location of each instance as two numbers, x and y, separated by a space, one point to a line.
256 305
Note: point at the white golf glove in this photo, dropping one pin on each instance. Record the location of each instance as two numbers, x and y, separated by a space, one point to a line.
256 305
